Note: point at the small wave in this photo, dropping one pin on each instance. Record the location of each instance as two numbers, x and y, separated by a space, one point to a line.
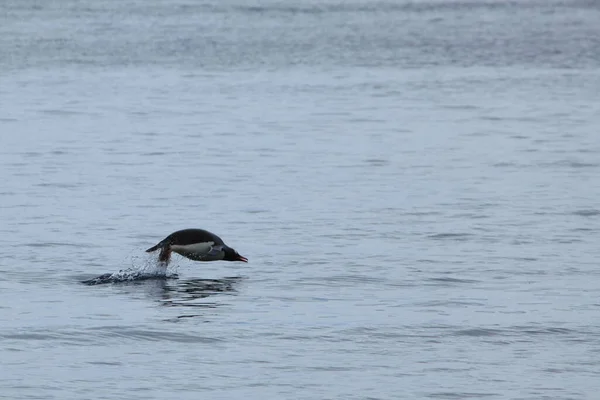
100 334
450 236
544 330
505 164
587 213
57 244
479 332
376 162
452 280
513 331
571 164
149 335
448 303
374 7
460 395
340 280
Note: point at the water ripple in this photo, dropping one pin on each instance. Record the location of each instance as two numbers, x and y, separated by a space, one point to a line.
587 212
103 333
450 236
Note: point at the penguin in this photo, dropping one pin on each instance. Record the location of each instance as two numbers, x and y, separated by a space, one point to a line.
197 245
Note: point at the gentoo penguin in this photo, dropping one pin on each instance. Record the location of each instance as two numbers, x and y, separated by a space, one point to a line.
197 245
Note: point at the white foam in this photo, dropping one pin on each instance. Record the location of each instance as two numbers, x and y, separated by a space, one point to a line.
141 269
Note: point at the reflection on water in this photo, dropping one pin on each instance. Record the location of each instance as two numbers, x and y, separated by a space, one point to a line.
168 289
186 293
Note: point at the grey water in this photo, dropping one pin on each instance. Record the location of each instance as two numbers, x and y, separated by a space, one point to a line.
415 183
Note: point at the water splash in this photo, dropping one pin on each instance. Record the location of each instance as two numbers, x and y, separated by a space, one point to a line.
147 269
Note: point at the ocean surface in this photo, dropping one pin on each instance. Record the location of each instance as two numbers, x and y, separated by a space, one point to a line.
415 183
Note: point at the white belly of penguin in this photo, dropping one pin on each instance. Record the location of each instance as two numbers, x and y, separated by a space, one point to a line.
199 251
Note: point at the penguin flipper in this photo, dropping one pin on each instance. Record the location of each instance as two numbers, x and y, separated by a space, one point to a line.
165 254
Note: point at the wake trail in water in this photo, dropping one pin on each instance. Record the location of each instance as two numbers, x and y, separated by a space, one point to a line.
151 269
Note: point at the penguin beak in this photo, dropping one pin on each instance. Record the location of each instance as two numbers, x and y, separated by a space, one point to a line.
241 258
